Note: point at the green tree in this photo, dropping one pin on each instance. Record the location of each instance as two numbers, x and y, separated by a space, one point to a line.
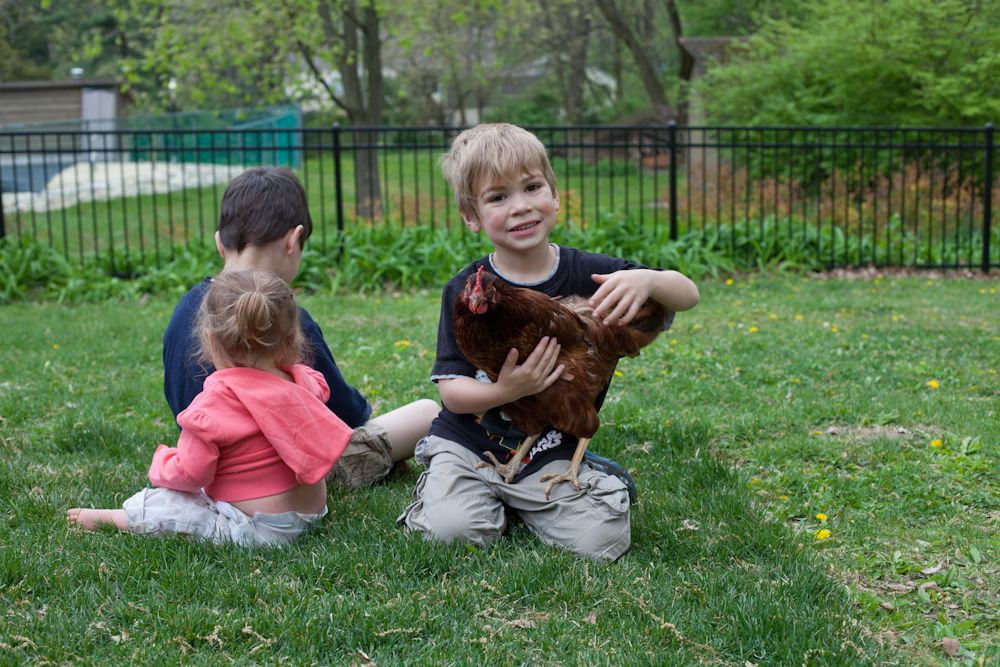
855 62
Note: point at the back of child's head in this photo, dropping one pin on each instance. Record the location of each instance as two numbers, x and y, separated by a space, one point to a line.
261 205
247 317
489 153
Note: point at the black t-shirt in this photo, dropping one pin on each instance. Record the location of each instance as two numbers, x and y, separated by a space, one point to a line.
494 432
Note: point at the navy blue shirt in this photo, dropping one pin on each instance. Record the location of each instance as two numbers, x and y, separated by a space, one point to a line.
183 377
494 432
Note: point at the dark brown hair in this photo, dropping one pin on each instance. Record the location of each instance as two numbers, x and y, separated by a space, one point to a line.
261 205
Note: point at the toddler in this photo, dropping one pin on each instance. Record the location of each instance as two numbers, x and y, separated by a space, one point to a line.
256 443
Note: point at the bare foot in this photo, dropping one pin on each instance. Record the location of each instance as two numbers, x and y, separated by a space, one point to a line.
89 519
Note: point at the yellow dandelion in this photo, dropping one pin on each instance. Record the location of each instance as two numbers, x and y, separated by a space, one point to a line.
696 327
834 329
618 374
55 346
400 344
798 318
982 290
933 384
782 497
993 290
729 281
823 534
936 442
821 516
772 316
752 329
816 433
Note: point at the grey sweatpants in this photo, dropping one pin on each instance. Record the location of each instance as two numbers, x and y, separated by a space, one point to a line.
156 511
453 500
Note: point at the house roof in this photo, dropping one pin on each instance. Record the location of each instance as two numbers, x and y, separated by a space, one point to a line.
62 83
709 49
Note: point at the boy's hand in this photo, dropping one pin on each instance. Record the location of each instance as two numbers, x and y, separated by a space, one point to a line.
536 374
620 295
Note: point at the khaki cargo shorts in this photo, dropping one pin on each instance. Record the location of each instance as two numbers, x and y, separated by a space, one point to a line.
367 459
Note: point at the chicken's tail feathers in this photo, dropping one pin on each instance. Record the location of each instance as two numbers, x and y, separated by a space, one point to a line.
648 322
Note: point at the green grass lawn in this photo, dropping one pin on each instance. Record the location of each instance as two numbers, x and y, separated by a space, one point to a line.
773 404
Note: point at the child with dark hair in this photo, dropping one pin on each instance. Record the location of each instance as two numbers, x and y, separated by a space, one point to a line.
264 222
256 443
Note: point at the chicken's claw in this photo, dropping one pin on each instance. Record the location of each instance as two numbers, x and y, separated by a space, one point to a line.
568 475
505 470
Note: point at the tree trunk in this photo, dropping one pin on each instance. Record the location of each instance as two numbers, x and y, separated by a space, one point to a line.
363 97
686 60
643 59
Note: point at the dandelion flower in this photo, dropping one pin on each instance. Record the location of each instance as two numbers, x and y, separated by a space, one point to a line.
782 497
821 516
933 384
618 374
798 318
936 442
752 329
822 534
55 346
729 281
402 343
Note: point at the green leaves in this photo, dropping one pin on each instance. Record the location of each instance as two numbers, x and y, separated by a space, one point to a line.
850 62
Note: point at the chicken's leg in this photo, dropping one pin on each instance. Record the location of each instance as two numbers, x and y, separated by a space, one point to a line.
570 474
509 469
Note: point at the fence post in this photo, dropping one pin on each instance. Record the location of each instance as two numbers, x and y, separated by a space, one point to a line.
988 197
3 223
672 128
339 189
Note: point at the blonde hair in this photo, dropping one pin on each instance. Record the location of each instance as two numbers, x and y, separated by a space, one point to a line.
247 316
491 152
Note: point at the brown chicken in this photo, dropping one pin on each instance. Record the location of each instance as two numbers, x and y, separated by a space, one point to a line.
491 317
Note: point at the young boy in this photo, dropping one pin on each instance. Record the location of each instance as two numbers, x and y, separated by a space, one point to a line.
264 222
505 186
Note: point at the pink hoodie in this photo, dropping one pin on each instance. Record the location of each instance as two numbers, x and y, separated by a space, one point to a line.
250 434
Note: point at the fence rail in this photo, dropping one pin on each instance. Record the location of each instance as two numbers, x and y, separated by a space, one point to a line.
916 197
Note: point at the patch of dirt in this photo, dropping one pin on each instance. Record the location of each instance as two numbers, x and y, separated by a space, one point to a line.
880 432
873 272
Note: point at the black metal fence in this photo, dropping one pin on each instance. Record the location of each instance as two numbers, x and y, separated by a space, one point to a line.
862 196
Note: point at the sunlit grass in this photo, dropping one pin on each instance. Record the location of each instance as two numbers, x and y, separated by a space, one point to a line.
817 472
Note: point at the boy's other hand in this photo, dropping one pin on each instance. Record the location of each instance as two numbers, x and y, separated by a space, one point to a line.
620 295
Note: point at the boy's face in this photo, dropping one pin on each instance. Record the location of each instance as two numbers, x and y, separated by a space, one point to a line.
517 212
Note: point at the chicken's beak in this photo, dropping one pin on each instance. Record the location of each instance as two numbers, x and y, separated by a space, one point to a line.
477 304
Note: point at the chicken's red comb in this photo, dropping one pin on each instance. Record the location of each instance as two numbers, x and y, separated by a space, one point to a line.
479 278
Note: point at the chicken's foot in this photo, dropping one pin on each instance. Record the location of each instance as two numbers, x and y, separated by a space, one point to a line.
509 469
570 474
